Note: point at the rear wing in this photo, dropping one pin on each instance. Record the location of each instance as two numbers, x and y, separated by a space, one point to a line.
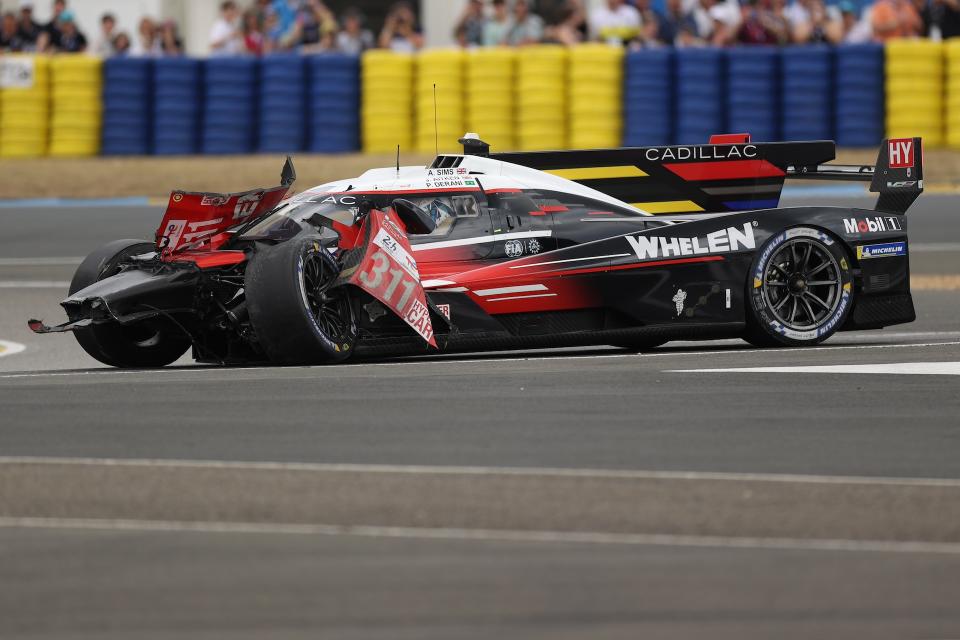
729 174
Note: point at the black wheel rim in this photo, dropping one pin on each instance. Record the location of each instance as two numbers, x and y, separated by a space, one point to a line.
330 308
802 284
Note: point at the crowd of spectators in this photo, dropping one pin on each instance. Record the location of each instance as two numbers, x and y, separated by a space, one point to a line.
685 23
267 26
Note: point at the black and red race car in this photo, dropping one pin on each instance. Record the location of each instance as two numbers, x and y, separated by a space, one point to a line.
630 247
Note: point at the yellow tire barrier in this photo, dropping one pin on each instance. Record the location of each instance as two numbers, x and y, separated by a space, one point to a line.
439 124
541 94
952 51
77 105
387 108
915 90
25 112
595 96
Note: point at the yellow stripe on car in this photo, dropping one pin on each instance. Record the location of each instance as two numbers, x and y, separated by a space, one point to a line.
599 173
668 206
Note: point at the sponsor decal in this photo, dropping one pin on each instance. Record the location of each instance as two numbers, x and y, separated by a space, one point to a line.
702 153
876 224
885 250
246 205
347 201
389 244
418 317
534 246
678 299
727 304
445 310
900 153
449 179
648 247
904 184
17 72
177 197
213 201
172 233
513 248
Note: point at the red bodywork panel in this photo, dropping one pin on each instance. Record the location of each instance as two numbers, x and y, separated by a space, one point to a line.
730 138
193 221
210 259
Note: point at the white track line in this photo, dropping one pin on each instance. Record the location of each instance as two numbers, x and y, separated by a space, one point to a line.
43 262
487 535
896 368
422 362
34 284
10 348
545 472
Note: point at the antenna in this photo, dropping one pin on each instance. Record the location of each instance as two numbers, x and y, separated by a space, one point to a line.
436 133
398 162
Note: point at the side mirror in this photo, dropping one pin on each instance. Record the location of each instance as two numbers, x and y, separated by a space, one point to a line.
415 219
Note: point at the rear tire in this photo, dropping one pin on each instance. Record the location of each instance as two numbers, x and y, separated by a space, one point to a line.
800 291
147 344
297 316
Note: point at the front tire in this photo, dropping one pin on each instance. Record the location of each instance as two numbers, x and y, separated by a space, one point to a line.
801 289
298 315
148 344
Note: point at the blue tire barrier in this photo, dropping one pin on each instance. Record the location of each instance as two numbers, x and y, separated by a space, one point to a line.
333 103
752 92
127 96
807 93
648 98
177 106
700 91
859 96
230 88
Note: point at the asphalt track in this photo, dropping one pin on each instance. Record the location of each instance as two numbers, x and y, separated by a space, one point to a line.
546 494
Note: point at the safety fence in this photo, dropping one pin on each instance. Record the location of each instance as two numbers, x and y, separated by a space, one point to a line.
541 97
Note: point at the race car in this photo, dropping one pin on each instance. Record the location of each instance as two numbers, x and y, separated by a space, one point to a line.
629 247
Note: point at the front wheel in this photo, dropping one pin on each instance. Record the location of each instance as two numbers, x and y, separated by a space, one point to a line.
151 343
299 316
801 290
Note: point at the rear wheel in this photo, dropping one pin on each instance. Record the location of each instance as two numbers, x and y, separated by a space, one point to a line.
298 314
801 291
151 343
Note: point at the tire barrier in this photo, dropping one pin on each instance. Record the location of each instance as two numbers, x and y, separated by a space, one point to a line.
700 84
25 108
752 97
952 50
282 104
489 97
76 116
540 93
177 106
127 89
807 83
595 96
387 101
648 98
230 105
858 95
333 103
915 90
443 126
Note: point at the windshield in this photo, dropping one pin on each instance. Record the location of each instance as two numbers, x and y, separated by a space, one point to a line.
287 220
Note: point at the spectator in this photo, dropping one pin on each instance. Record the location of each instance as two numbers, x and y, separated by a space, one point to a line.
676 26
104 45
9 34
354 39
70 39
121 45
53 28
894 19
225 36
855 30
400 32
526 28
617 23
724 22
571 27
32 35
469 29
819 23
495 31
945 17
650 20
148 45
318 27
760 26
170 39
253 40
